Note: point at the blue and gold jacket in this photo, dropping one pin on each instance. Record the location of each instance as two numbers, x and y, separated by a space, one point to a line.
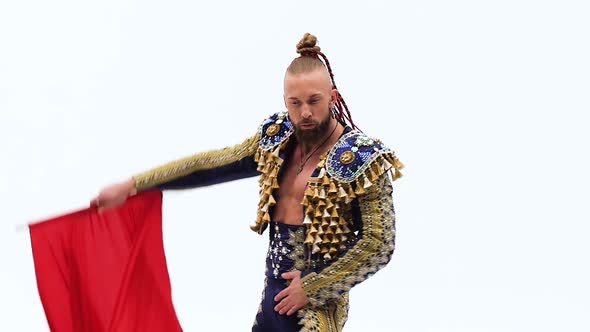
348 208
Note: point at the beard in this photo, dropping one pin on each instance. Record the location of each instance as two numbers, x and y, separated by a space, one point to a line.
311 136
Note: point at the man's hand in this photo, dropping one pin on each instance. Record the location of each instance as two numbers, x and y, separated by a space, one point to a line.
293 297
114 195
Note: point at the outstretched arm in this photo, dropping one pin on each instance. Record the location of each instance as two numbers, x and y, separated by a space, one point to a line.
201 169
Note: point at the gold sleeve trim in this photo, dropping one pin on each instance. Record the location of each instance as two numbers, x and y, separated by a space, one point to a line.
198 162
371 252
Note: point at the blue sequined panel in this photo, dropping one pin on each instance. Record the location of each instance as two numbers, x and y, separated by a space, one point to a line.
275 130
284 248
352 155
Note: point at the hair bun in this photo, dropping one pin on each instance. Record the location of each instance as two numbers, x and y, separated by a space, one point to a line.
307 45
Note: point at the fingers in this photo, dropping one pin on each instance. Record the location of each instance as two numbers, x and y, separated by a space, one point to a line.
291 275
287 307
284 307
293 310
282 294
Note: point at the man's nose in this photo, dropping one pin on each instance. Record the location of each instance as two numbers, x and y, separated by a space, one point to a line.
305 112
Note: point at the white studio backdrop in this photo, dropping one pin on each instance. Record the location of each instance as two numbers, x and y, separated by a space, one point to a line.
485 102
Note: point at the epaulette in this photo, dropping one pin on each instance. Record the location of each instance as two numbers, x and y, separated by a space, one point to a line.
275 130
357 155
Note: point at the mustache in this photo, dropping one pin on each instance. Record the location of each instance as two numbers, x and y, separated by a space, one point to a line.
308 122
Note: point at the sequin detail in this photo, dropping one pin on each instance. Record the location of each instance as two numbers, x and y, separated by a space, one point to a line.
346 168
275 130
285 250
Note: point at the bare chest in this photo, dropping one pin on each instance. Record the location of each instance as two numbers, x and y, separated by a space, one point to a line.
291 189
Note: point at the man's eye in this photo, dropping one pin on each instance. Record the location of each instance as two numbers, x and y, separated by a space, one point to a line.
295 103
313 101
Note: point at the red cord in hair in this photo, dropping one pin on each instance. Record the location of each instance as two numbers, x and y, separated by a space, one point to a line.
340 103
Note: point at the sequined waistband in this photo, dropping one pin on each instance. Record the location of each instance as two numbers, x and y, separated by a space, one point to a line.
286 249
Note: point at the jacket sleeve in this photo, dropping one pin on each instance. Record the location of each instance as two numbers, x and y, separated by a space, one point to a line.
370 252
203 169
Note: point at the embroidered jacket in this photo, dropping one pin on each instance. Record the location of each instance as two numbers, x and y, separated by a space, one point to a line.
348 208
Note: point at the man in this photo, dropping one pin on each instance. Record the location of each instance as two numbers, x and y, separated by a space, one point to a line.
325 194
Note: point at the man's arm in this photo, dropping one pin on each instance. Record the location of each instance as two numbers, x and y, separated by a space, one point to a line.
201 169
372 250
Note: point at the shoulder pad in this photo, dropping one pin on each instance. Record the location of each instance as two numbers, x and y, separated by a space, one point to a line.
275 130
352 155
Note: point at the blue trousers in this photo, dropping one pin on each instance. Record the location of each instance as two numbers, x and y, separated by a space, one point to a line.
278 260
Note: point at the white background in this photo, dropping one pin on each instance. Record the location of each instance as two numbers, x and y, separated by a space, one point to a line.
484 101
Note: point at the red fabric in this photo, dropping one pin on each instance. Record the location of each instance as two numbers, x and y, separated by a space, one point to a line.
105 272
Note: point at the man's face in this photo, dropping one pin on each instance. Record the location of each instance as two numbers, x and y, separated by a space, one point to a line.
308 98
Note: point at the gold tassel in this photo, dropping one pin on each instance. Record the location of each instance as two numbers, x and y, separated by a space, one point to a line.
307 220
275 184
351 193
315 249
329 204
313 230
327 256
397 174
359 187
318 239
341 191
318 212
324 250
276 152
268 181
309 239
309 191
305 201
271 200
322 193
397 164
326 181
332 189
274 172
372 175
266 217
345 229
368 183
334 213
386 164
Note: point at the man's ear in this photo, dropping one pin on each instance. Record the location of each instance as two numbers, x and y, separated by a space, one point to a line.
334 96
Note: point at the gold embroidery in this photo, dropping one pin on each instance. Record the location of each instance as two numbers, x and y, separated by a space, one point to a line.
198 162
327 318
370 253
